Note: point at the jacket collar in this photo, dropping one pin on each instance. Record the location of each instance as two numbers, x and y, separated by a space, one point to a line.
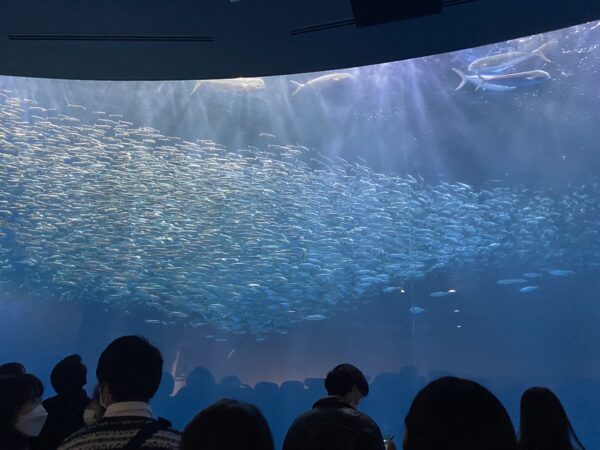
333 401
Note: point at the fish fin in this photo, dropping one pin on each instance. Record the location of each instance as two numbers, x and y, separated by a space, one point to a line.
540 51
463 78
198 84
298 86
480 82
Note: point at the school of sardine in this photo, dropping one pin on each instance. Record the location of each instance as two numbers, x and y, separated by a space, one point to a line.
252 240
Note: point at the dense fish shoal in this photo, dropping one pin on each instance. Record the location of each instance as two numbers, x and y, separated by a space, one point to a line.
249 240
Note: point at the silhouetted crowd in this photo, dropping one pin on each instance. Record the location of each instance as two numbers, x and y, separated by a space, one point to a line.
447 414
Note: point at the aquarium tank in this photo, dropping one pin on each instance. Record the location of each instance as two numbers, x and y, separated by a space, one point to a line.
417 218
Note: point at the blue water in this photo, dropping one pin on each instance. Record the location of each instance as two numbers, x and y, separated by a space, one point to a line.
382 218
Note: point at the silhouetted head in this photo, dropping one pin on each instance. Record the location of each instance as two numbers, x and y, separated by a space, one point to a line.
455 414
266 390
200 377
12 368
130 368
228 425
16 393
69 375
291 388
230 382
544 422
348 382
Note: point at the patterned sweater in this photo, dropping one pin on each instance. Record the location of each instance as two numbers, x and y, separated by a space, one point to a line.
115 432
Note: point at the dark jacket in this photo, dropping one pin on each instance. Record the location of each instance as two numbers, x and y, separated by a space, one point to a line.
11 439
65 416
333 425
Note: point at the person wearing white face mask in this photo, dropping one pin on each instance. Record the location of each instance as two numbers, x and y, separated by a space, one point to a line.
22 416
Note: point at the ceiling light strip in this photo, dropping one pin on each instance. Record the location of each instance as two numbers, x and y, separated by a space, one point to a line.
323 26
108 38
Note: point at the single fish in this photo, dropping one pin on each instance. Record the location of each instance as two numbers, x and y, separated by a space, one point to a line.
501 83
414 310
231 353
321 81
531 275
504 61
561 272
526 289
232 84
518 79
512 281
314 317
480 82
439 294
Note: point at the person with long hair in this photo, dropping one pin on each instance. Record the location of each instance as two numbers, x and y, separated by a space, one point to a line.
22 415
544 423
457 414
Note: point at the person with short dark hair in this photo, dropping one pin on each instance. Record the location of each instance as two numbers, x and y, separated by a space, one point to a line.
65 410
334 423
346 379
456 414
228 425
129 371
21 414
12 368
544 423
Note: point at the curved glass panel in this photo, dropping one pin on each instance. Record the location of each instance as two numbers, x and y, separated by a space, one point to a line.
431 216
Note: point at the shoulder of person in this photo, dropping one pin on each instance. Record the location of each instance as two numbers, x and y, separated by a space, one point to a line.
84 431
367 421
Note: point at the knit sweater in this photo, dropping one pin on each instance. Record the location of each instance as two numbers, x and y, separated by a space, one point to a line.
115 432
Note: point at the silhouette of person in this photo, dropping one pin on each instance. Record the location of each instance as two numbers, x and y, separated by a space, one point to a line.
65 410
22 415
12 368
456 414
228 425
129 371
334 423
199 392
544 424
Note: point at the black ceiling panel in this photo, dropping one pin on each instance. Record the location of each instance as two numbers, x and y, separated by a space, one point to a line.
192 39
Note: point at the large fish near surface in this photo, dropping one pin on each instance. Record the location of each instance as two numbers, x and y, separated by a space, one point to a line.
233 84
504 61
505 82
322 81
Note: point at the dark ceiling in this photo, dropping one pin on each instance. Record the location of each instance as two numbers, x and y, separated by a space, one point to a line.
191 39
